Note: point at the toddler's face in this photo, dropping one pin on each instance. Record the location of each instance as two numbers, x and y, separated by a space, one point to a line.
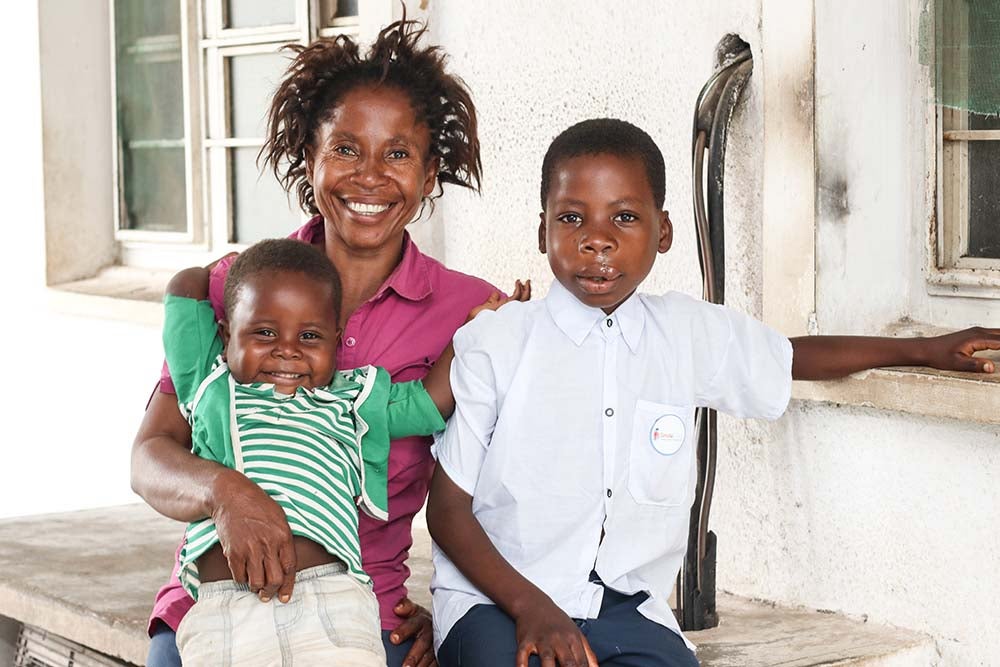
282 330
601 228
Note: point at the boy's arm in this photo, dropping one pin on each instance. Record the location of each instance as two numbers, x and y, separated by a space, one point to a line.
542 627
829 357
437 382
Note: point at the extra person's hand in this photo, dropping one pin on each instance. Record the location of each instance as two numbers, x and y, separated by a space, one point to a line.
954 352
255 537
546 631
416 624
522 292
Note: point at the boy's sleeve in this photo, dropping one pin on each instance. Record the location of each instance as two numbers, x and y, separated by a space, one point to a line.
754 366
410 411
191 343
461 449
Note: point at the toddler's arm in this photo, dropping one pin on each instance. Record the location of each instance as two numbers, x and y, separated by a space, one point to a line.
542 627
829 357
191 283
437 383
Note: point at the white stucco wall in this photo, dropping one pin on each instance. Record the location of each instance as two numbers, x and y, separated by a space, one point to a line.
860 511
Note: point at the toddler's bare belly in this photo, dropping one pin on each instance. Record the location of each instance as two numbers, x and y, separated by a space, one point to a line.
212 565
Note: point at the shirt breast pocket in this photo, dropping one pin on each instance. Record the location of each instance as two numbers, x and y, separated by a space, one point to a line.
661 454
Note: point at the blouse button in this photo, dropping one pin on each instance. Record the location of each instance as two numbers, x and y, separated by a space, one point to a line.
609 412
350 341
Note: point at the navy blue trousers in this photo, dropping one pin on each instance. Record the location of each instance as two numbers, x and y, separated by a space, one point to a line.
620 637
163 649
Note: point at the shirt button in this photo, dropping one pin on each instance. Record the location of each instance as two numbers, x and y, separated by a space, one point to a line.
609 412
609 322
609 493
350 341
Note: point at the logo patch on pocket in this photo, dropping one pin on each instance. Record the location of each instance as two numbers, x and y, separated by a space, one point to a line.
667 434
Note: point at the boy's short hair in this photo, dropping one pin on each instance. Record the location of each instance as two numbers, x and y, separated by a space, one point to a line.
608 136
281 255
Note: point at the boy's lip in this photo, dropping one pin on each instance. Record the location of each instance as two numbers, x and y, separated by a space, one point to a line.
593 283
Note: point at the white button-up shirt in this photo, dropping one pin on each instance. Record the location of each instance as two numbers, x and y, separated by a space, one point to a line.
570 423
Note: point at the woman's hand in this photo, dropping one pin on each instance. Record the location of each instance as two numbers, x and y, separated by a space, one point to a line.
543 629
416 624
522 292
254 535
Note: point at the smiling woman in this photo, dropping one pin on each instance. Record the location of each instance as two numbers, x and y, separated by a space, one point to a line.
364 141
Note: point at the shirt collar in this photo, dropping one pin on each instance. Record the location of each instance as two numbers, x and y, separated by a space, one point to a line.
411 277
576 319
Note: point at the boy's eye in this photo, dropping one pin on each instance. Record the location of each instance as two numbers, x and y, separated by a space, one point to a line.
309 335
265 333
570 218
625 216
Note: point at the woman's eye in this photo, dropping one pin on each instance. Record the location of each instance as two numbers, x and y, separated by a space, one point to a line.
398 154
570 218
343 150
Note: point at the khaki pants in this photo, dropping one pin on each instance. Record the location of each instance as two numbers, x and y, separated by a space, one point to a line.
331 619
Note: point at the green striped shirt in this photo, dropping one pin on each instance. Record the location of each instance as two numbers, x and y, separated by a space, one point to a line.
319 453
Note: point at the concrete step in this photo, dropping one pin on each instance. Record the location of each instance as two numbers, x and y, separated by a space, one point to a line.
90 577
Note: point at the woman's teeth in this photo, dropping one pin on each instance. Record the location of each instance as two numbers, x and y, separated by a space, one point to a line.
366 209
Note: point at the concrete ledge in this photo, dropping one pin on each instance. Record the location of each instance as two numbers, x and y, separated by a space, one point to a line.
91 576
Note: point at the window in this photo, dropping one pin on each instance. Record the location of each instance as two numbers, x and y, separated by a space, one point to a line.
193 81
967 58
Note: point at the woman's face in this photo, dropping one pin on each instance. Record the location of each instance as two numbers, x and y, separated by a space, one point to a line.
369 168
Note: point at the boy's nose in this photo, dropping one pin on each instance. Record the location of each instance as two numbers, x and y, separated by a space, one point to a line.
597 244
286 350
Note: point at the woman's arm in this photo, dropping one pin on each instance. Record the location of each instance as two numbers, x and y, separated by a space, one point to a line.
542 627
437 382
830 357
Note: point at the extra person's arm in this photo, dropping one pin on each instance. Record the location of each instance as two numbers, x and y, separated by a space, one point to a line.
542 627
830 357
437 382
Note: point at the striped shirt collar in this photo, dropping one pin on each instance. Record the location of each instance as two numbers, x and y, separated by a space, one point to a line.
411 277
576 320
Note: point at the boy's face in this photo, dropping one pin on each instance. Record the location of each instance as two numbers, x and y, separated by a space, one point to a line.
601 228
282 330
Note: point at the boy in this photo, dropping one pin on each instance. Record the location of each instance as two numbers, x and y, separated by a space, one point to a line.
561 499
266 399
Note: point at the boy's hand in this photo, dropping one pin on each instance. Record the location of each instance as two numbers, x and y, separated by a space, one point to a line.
522 292
953 352
546 631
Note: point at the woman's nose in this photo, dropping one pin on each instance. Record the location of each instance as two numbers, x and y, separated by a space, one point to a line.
370 172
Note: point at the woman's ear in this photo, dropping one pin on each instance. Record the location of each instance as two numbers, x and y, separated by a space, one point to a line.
431 175
541 232
309 164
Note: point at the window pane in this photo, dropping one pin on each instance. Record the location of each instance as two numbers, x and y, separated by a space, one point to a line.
984 199
153 184
336 9
257 13
260 207
252 81
150 105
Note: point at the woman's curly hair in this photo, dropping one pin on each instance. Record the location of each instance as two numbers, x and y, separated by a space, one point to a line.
322 72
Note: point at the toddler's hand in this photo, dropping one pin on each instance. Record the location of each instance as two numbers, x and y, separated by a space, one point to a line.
953 352
522 292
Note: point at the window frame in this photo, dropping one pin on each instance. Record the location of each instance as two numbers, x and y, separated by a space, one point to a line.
205 46
950 271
